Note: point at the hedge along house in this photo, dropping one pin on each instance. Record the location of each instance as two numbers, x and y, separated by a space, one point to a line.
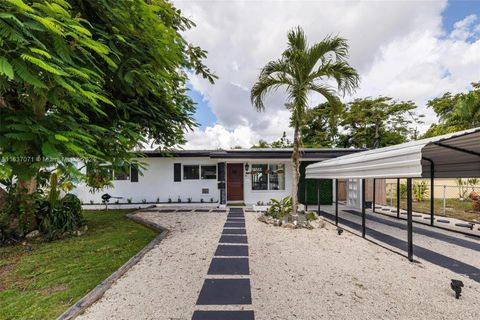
216 176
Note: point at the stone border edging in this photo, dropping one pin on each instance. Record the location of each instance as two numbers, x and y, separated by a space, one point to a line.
96 293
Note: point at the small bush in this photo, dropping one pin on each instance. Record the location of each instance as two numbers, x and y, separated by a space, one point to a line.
311 216
280 208
64 216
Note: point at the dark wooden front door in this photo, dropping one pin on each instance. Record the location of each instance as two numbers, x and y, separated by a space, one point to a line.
234 182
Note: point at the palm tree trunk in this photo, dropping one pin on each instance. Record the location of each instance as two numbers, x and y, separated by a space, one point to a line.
296 171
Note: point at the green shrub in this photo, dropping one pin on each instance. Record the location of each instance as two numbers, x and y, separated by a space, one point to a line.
280 208
311 216
420 190
65 216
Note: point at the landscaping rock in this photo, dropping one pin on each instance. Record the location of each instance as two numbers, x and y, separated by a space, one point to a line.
289 225
33 234
262 218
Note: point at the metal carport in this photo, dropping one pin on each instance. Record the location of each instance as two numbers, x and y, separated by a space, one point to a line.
452 155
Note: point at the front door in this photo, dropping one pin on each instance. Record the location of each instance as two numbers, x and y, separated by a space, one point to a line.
234 182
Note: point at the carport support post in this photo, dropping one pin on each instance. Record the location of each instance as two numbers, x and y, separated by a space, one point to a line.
373 200
305 196
336 202
318 196
432 193
398 198
363 208
409 219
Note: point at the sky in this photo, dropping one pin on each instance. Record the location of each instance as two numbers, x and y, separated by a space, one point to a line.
408 50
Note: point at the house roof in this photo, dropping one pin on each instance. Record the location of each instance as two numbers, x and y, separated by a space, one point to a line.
453 155
285 153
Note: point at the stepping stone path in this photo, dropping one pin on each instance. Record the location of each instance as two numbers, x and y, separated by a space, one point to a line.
227 282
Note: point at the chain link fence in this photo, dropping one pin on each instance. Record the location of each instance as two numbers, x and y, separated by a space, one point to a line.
456 198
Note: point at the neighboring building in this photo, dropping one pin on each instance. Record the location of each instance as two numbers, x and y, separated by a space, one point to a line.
221 176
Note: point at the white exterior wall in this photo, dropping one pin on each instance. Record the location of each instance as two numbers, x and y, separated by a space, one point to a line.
157 182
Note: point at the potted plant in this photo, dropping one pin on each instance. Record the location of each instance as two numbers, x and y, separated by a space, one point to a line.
169 200
144 200
211 200
179 200
201 200
129 200
158 200
189 200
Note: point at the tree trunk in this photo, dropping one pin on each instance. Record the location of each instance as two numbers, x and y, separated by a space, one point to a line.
296 171
25 188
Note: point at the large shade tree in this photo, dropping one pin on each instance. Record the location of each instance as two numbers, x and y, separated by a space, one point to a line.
90 80
321 126
378 122
455 112
302 70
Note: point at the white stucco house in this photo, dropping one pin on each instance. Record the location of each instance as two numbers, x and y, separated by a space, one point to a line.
245 176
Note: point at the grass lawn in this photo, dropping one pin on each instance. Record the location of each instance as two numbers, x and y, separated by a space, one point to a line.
43 283
454 208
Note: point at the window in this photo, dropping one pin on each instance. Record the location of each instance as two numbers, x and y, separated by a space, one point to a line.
268 177
276 177
191 172
209 172
259 177
122 173
205 191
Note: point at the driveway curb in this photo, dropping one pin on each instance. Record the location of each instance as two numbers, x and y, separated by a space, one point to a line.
97 292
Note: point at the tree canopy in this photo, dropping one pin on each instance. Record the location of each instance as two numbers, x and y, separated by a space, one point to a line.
283 142
321 128
90 80
456 112
378 122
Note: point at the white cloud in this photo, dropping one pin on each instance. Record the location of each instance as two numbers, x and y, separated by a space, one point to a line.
399 48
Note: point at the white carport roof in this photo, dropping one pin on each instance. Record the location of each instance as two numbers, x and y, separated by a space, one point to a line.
454 155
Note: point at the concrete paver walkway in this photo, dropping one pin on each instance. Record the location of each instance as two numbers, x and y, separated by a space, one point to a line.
229 264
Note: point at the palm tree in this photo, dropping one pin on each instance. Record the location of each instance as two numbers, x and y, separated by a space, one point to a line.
302 70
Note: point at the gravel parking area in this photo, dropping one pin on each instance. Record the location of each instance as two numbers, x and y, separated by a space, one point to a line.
317 274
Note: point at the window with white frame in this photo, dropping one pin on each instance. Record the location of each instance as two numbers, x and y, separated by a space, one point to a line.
268 176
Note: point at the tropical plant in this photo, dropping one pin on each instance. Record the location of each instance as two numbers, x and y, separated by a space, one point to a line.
302 70
280 208
60 216
462 185
420 190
